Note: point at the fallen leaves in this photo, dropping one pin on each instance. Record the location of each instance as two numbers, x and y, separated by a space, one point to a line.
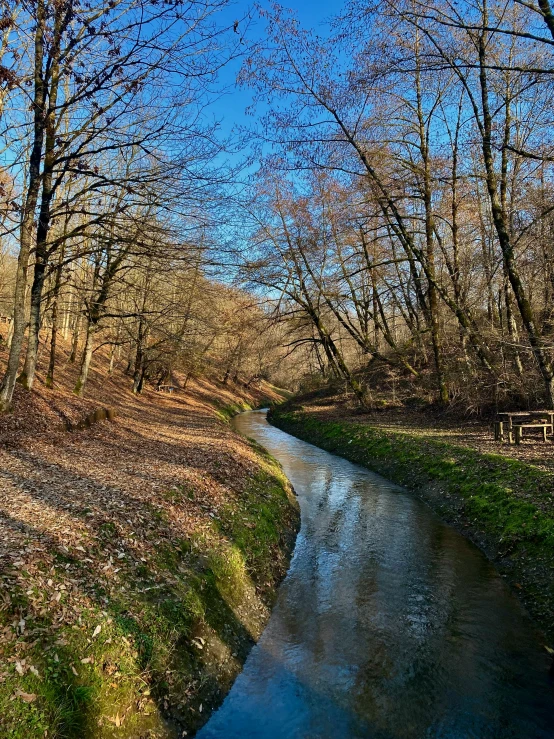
83 515
117 720
26 697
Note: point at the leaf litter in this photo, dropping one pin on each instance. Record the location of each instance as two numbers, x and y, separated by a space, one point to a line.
84 518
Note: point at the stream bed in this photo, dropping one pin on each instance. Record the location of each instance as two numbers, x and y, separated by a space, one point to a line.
388 625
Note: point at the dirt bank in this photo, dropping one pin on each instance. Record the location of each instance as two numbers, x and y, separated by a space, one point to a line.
504 504
138 559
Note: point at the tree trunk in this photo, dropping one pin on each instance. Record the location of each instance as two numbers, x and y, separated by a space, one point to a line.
499 217
432 303
112 357
86 359
27 377
512 329
10 335
138 376
53 340
55 312
138 373
27 221
75 337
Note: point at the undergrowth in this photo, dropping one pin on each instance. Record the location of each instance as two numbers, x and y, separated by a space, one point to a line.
226 412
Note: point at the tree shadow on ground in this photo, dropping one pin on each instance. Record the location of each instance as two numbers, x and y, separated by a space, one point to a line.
162 601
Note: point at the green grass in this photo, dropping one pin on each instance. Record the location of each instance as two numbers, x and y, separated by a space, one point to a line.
229 411
257 532
71 694
507 501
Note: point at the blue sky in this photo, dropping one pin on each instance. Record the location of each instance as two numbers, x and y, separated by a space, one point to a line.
230 109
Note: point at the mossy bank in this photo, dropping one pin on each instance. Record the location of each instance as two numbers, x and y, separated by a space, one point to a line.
504 505
141 629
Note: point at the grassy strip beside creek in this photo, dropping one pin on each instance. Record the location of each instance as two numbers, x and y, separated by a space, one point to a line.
230 410
504 505
151 648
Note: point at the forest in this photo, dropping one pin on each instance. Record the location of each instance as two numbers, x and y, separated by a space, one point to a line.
396 231
230 228
410 235
112 196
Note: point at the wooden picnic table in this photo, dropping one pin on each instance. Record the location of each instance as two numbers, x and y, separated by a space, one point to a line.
543 419
166 388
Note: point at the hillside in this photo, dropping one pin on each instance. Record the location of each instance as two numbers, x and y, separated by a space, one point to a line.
138 557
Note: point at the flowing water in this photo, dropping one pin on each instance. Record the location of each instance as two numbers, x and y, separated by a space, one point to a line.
389 624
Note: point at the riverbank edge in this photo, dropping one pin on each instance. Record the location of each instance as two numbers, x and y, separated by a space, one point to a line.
469 490
272 495
215 594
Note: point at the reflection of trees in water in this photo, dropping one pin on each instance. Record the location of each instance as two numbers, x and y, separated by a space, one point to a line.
437 619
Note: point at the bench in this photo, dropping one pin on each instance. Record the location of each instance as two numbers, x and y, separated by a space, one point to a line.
166 388
518 428
510 421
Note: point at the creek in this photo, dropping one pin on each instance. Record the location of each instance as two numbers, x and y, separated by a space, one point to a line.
389 624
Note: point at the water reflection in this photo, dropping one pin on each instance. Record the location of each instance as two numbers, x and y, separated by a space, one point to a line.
389 624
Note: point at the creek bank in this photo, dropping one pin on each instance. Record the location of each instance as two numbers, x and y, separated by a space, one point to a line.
503 505
139 560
